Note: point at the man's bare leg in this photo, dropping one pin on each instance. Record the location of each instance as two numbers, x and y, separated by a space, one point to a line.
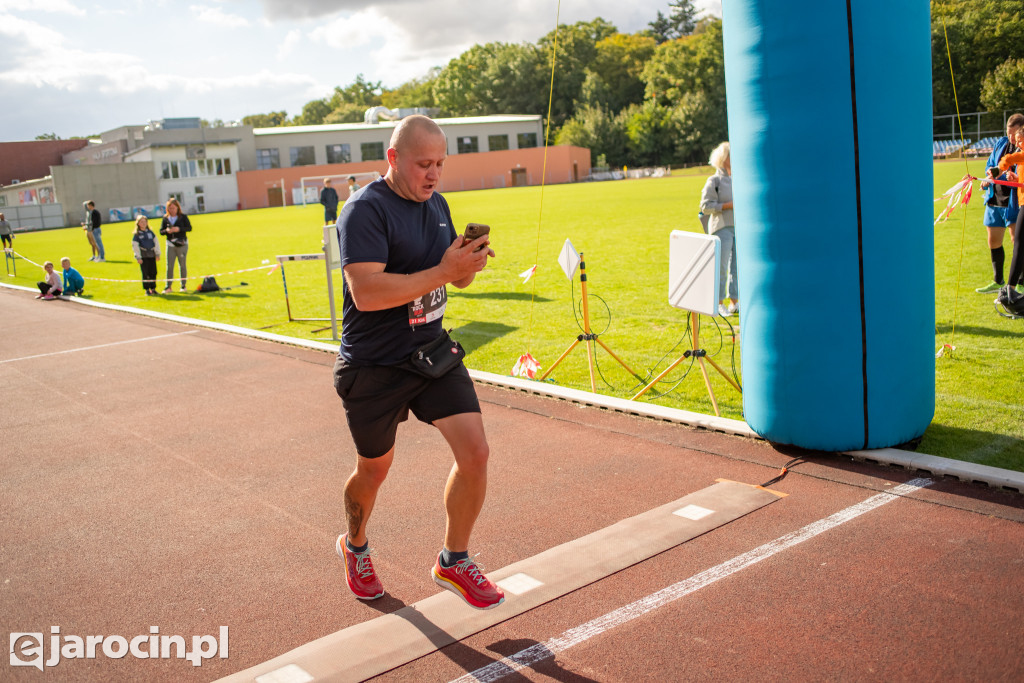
467 484
361 493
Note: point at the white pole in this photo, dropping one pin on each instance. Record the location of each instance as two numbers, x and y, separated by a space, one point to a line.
329 235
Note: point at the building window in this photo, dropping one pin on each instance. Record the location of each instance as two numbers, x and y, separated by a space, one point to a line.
302 156
227 167
497 143
527 140
339 154
372 151
267 158
468 145
165 170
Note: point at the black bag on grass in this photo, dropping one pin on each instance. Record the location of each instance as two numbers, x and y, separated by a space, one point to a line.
209 285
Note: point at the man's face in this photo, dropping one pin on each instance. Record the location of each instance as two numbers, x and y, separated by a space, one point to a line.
416 170
1011 132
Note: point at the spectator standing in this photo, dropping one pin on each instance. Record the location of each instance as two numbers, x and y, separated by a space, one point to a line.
399 251
352 186
74 283
146 248
50 287
6 233
92 224
329 198
1016 278
1001 203
176 226
716 202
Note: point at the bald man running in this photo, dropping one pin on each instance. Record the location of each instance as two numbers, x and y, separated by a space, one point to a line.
399 251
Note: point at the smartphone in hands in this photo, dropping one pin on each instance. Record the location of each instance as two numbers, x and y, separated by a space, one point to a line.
473 231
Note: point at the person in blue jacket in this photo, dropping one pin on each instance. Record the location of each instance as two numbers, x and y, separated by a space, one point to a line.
1001 204
74 283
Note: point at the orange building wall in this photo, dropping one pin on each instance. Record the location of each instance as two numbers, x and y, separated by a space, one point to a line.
484 170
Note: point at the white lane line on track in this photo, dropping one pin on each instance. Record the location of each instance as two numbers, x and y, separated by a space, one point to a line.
574 636
99 346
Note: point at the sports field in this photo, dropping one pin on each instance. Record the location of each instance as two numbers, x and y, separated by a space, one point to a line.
622 229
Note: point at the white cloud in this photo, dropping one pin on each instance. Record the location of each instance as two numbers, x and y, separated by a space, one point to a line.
58 6
291 39
218 17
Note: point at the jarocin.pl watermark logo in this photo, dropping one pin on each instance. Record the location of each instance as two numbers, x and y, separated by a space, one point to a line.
27 648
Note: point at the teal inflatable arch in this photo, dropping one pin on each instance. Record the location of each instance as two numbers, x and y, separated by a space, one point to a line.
830 131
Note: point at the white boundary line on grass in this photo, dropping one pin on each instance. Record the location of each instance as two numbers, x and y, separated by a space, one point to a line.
595 627
98 346
933 464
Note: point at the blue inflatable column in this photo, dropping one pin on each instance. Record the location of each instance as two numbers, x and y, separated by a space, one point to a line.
830 128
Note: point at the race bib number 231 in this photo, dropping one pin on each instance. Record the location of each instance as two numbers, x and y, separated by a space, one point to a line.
428 308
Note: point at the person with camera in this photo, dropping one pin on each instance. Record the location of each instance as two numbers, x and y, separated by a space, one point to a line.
1001 203
399 251
175 226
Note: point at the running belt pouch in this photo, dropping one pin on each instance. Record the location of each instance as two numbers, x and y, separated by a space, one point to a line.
437 358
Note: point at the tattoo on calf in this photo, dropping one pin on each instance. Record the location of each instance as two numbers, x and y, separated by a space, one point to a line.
354 513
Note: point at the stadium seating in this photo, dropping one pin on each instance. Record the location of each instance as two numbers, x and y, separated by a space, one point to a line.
945 148
982 148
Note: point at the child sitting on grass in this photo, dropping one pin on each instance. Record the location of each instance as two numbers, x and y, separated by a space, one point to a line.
74 283
50 288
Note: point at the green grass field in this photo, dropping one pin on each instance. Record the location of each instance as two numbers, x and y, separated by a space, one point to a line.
622 230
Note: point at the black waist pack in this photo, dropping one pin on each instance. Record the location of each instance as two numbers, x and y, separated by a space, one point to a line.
437 358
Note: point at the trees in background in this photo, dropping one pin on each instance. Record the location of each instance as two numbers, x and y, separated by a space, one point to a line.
658 95
983 35
681 21
1003 87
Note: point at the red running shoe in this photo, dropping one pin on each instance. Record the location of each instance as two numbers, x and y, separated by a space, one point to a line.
362 580
466 579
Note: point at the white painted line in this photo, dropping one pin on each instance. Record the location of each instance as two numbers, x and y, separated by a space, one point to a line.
293 673
579 634
694 512
520 583
99 346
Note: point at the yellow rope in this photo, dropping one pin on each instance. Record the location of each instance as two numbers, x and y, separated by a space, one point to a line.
543 176
963 229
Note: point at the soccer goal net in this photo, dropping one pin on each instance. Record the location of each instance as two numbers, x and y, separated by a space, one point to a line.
310 186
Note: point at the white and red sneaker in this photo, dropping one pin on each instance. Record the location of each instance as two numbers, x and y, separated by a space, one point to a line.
362 580
466 579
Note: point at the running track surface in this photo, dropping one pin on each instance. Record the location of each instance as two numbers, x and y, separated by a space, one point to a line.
162 475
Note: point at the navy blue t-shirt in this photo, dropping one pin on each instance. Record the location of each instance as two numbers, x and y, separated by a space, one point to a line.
378 226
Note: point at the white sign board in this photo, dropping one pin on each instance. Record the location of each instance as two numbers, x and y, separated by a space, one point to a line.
331 247
693 263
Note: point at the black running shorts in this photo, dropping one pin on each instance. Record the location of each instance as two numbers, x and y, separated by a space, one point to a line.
378 397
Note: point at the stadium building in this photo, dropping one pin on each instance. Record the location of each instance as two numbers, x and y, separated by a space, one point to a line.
135 169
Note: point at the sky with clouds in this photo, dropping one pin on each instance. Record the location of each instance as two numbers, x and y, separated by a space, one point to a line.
81 67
